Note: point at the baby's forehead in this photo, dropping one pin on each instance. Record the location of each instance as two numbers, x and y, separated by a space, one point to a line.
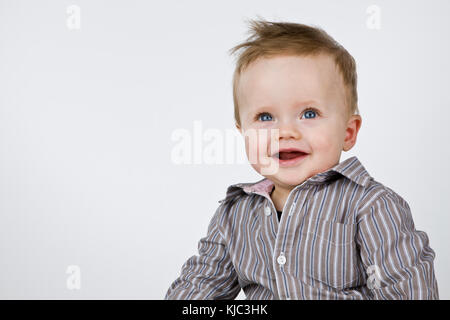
291 78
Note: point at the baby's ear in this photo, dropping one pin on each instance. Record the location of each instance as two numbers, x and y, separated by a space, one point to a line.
353 126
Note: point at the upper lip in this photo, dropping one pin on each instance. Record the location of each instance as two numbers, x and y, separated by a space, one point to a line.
288 150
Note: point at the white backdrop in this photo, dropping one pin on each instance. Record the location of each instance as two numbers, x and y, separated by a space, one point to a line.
92 91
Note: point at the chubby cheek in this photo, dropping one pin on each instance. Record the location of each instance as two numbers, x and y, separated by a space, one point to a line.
257 146
323 143
326 149
251 150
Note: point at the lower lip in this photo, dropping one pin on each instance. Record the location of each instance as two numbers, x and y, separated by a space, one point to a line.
290 162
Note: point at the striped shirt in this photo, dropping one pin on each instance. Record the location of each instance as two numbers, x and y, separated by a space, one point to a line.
341 235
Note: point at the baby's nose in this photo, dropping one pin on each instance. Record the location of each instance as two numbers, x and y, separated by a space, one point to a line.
289 131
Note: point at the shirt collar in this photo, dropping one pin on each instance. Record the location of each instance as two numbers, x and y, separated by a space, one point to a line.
350 168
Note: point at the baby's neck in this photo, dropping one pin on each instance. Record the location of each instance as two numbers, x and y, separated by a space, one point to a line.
279 197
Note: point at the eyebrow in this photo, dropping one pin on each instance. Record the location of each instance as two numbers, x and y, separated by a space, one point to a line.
308 103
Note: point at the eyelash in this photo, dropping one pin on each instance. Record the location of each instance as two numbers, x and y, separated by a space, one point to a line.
309 109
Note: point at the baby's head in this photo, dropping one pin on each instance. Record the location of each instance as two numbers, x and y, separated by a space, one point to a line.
297 85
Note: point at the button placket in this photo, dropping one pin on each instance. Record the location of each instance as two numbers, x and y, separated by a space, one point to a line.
280 260
283 286
280 245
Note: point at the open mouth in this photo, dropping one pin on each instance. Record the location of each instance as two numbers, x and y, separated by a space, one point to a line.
290 158
284 155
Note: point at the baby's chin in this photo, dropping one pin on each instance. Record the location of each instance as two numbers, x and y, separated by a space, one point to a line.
287 178
287 182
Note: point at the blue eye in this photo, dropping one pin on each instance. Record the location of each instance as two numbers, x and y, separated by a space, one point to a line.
264 116
310 114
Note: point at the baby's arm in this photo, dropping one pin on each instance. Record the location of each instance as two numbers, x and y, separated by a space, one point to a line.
397 257
209 275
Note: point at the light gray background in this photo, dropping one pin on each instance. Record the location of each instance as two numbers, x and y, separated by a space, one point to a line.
86 118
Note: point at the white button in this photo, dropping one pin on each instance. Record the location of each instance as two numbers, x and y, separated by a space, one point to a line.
281 259
267 211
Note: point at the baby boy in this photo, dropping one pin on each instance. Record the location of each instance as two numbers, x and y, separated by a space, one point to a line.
314 227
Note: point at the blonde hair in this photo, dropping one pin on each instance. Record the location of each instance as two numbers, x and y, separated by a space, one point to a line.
268 39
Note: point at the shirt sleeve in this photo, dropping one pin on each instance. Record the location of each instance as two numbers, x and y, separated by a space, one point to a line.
210 275
397 257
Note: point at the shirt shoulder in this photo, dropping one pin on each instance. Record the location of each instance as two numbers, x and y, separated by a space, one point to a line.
378 194
240 203
370 191
233 192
